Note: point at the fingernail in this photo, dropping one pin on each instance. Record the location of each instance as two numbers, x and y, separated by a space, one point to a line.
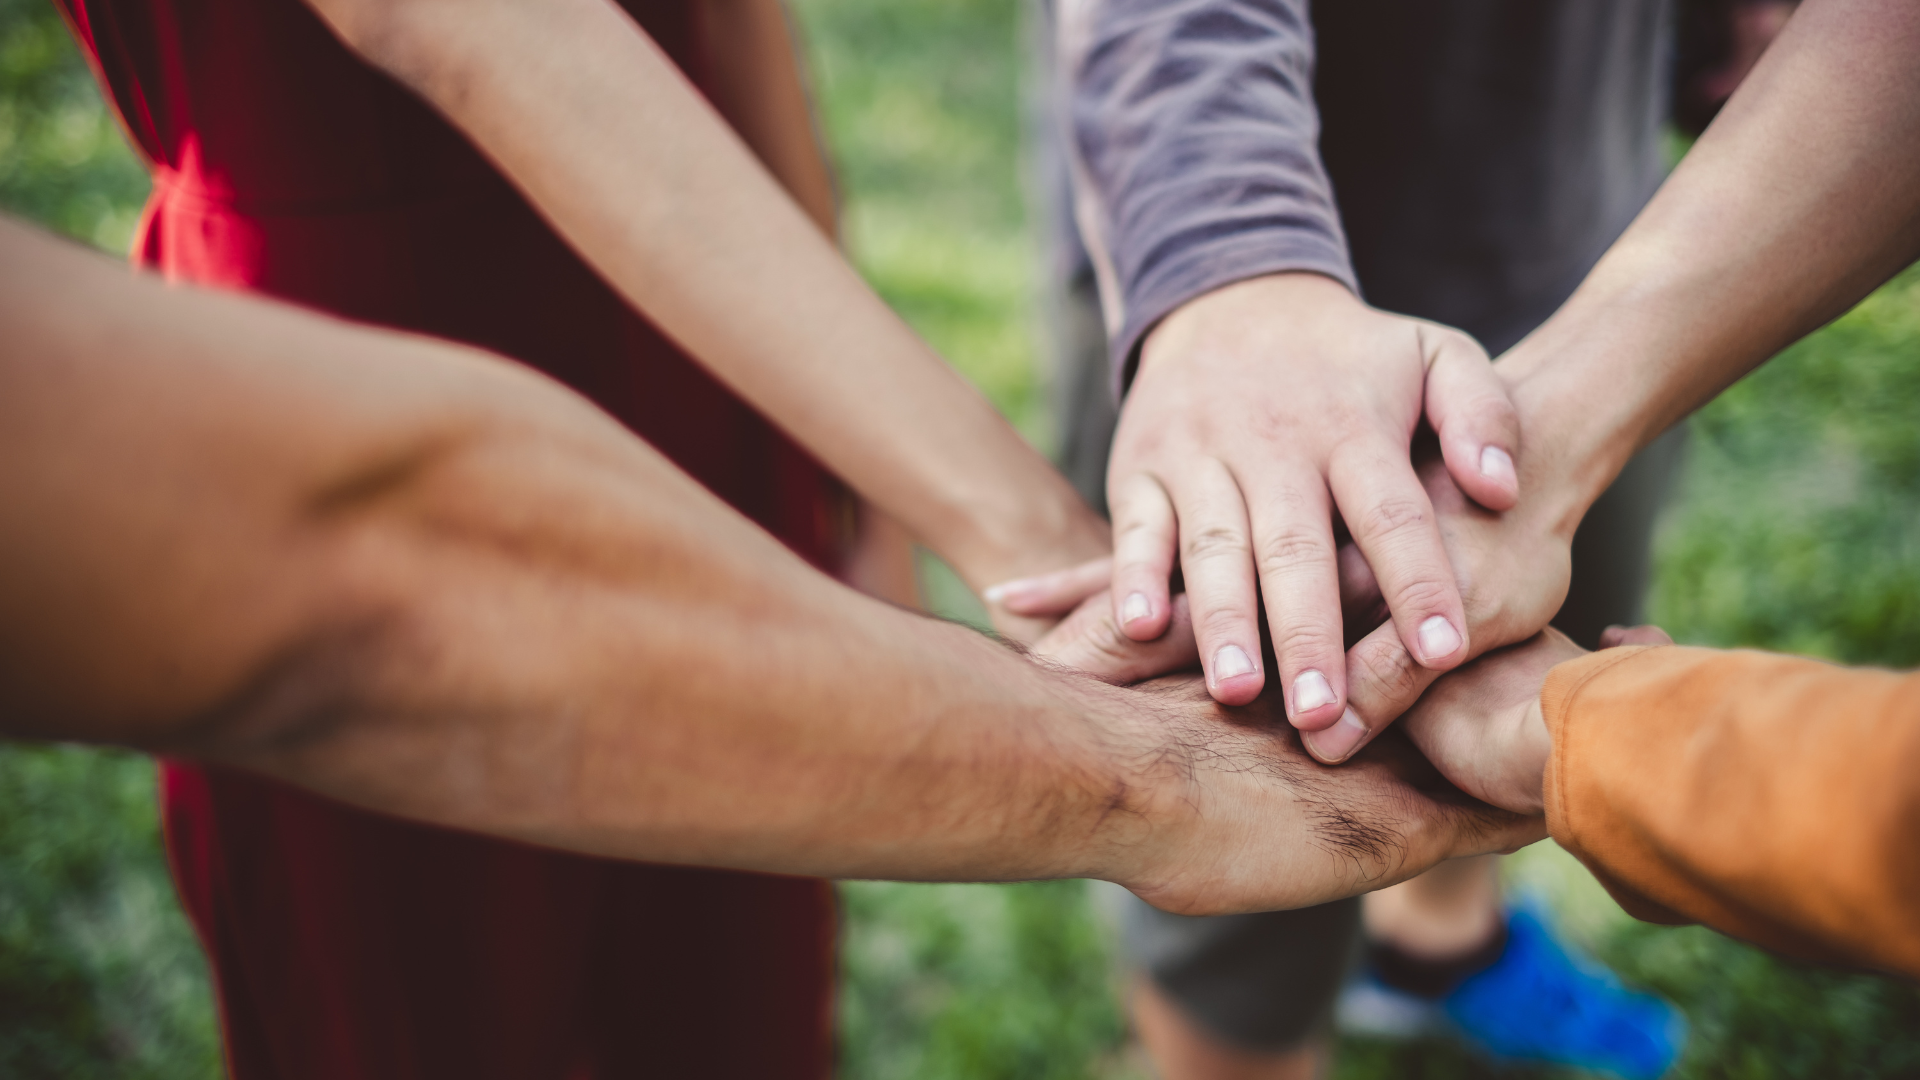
1136 608
1338 742
1438 639
994 594
1496 465
1229 662
1310 691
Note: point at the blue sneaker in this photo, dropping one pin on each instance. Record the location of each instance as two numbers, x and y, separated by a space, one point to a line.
1544 1002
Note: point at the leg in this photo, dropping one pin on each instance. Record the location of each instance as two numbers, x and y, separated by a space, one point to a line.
1454 909
1444 937
1181 1048
1238 995
1451 910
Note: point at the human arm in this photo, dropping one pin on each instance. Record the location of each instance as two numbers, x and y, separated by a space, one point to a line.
1802 196
620 153
756 80
1269 399
420 579
1769 797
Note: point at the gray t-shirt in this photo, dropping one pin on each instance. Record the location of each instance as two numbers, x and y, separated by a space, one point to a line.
1459 160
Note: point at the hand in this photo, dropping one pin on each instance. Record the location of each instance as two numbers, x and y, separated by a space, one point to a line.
1243 820
1513 570
1087 639
1482 726
1259 411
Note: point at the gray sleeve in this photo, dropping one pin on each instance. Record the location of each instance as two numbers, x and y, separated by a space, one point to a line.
1196 153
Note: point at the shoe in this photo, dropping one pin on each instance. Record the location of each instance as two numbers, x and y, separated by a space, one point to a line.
1542 1001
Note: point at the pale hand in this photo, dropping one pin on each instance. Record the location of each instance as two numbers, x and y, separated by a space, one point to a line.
1261 413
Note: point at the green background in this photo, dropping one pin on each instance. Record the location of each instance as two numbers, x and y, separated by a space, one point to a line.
1794 529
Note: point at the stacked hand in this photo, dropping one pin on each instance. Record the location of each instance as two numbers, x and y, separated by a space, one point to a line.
1482 726
1259 825
1269 442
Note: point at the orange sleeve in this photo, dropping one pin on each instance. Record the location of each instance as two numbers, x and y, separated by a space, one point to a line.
1774 798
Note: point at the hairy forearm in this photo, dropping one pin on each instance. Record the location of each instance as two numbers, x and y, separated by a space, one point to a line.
621 154
435 584
1802 196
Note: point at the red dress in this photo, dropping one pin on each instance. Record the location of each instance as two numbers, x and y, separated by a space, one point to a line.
350 945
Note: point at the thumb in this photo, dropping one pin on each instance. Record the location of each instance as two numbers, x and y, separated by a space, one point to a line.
1088 640
1615 636
1468 407
1051 595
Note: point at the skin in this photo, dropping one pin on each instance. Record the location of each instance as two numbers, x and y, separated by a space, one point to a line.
1484 728
1802 197
584 113
1260 412
430 582
755 80
1797 201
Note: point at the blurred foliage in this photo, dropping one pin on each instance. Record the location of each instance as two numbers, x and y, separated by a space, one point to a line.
1797 527
63 161
921 104
973 982
1794 530
99 973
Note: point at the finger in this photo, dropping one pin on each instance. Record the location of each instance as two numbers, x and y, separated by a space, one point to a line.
1383 681
1394 525
1300 586
1088 640
1615 636
1217 562
1361 607
1468 407
1051 595
1143 550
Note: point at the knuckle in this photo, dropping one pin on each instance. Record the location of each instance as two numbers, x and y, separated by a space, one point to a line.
1288 549
1139 531
1219 623
1305 643
1395 516
1385 674
1214 542
1422 595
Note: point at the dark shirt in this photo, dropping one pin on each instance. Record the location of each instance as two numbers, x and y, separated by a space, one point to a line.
1483 152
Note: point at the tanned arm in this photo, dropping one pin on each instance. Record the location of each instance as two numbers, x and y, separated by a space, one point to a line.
430 582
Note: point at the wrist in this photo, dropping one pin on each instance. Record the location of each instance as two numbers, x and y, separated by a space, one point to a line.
1146 810
1003 539
1532 749
1583 415
1625 358
1292 295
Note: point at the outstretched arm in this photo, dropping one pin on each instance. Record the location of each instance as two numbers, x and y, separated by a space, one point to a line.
1800 198
612 143
420 579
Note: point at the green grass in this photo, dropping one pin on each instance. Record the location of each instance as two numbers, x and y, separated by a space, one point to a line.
1794 530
